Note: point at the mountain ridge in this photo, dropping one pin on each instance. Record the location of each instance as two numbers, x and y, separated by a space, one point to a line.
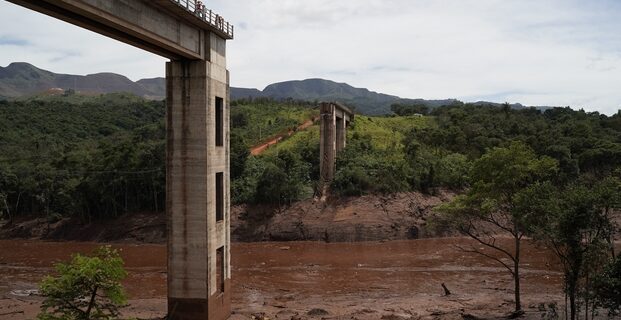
22 79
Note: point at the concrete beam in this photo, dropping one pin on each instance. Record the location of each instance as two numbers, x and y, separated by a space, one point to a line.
140 23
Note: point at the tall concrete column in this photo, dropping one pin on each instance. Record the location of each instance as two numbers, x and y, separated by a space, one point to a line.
341 133
327 148
197 186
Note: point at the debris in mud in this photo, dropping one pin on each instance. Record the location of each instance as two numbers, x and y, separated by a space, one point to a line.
447 292
25 293
437 313
317 312
395 316
467 316
12 312
285 297
363 311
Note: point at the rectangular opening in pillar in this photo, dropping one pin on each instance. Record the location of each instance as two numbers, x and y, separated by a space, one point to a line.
219 122
219 196
220 269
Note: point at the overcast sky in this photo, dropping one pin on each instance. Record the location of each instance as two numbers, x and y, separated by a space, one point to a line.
536 52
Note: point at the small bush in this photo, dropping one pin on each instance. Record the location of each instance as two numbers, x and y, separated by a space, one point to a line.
86 288
351 181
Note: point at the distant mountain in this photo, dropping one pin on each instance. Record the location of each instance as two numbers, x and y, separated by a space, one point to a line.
244 93
20 78
363 100
155 86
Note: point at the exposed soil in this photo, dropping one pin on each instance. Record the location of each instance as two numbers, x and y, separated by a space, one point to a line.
130 228
315 280
258 149
367 218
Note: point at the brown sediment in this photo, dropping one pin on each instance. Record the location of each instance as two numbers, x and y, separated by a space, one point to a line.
363 280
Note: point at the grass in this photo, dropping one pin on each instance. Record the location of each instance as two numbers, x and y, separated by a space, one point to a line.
265 120
386 133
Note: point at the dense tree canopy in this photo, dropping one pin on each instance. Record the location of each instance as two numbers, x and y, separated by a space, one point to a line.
99 157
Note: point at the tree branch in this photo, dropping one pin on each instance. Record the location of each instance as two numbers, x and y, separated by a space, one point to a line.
491 245
489 256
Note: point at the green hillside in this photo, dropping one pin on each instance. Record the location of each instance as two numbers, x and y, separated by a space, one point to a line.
260 119
102 156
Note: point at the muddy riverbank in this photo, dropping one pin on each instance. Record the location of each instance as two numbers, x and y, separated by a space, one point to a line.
368 218
313 280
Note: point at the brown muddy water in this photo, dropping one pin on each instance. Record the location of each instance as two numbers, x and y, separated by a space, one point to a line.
400 279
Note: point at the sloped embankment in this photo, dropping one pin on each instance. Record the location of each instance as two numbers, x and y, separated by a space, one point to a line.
367 218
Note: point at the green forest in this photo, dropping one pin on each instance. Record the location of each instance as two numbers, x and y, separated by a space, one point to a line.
102 156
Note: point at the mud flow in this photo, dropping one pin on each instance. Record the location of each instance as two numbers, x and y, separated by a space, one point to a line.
313 279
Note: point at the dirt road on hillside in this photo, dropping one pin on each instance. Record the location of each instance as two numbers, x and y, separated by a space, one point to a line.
257 150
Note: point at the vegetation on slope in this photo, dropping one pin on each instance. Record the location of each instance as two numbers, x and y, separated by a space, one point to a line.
257 120
103 156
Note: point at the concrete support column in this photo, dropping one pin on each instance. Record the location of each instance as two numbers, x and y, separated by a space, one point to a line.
197 189
341 134
327 148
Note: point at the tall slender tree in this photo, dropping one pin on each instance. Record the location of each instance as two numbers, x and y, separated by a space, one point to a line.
498 205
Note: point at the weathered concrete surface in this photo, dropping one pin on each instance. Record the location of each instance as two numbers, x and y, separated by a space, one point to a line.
334 121
197 163
155 26
193 160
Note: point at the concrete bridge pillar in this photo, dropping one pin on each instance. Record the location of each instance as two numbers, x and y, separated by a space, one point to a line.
327 147
341 134
197 150
197 191
333 135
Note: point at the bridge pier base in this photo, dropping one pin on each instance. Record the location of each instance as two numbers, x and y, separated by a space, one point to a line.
197 190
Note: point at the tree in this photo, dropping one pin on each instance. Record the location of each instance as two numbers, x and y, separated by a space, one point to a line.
86 288
577 227
497 204
283 180
608 200
8 183
408 110
352 181
239 154
272 186
607 288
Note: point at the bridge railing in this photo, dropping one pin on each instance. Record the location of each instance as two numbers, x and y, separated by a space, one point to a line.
215 20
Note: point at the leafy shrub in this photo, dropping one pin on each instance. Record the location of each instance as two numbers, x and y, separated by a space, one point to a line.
351 181
607 288
283 180
452 171
86 288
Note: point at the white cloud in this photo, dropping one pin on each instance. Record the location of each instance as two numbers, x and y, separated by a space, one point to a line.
560 52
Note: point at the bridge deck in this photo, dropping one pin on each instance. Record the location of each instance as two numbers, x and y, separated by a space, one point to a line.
195 12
